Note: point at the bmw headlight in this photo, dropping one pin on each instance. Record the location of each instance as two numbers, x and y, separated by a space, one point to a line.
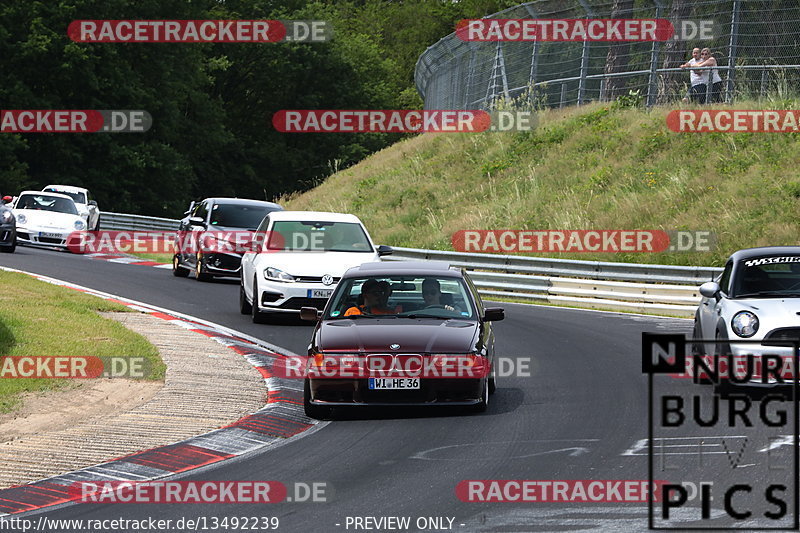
273 274
21 218
79 225
6 216
744 324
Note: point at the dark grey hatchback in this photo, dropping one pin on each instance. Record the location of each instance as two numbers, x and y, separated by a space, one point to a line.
401 333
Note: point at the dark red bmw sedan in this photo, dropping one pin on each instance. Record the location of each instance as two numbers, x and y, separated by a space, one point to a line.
401 333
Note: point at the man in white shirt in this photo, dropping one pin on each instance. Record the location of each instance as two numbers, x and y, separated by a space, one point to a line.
697 80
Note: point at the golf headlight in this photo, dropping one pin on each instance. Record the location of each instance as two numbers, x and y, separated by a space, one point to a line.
273 274
79 225
22 218
6 216
744 324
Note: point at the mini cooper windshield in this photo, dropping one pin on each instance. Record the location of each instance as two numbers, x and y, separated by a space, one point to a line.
768 277
401 297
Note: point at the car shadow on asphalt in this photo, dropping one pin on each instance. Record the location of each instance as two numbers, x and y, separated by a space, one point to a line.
504 400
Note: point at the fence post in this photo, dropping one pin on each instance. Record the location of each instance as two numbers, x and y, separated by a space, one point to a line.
708 86
563 93
584 56
603 90
732 50
652 83
764 82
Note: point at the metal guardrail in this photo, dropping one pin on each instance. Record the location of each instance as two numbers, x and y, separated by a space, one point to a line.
594 284
122 221
632 287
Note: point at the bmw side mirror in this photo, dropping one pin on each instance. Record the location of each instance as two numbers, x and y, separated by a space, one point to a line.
493 314
196 221
93 202
309 314
709 289
384 250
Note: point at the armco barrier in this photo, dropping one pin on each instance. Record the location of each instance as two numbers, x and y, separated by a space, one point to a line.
671 290
667 289
121 221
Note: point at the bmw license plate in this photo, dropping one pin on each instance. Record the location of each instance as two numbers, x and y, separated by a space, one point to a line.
320 293
393 383
48 235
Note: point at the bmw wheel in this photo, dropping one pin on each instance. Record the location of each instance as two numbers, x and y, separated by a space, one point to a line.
313 411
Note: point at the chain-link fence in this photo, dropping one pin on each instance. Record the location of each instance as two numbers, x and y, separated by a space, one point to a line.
756 44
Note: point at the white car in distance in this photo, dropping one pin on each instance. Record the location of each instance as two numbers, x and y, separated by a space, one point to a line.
87 207
46 218
298 259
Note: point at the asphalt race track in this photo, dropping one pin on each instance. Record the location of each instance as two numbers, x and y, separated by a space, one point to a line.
581 415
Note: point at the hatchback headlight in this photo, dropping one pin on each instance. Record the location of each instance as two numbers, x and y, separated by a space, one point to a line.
79 225
273 274
21 218
6 216
744 324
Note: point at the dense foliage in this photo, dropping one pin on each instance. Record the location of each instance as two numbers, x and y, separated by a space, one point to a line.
211 103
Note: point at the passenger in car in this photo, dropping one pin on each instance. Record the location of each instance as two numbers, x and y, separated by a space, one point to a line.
375 299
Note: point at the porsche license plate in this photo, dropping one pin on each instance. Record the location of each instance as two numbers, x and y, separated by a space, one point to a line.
320 293
393 383
48 235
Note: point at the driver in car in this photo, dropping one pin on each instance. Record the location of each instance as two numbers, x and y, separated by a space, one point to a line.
432 294
375 295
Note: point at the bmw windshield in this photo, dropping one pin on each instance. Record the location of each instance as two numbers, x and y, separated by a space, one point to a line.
401 297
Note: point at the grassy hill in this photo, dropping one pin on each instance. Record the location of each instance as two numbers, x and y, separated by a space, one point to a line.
594 167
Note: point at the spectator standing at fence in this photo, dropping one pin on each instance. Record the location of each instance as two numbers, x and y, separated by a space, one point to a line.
708 60
697 88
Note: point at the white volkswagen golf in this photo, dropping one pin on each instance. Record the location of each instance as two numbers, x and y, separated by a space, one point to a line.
298 258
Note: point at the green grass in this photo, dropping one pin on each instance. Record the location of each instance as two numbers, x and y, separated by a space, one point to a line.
593 167
161 258
38 318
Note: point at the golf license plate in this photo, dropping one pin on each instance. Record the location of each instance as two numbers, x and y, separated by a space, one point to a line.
320 293
393 383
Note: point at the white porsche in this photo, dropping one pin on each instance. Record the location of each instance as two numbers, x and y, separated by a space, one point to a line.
299 260
46 218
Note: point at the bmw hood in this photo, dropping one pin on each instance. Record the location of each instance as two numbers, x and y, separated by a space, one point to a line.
413 335
314 263
47 219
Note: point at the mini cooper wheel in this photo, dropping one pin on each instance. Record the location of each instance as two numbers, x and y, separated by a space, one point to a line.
313 411
177 270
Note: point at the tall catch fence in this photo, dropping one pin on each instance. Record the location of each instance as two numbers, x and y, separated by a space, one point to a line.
756 44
